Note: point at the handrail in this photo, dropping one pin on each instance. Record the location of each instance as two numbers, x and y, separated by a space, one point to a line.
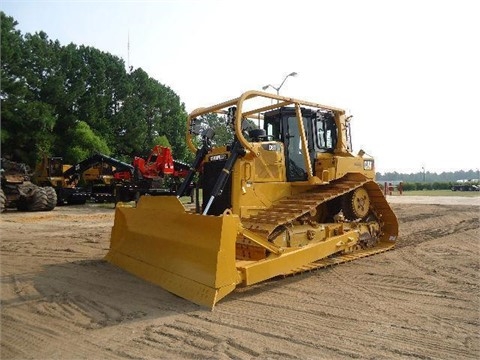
240 114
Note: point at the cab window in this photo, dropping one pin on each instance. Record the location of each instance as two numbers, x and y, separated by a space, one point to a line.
325 132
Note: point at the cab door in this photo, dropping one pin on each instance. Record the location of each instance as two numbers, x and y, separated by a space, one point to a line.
295 163
282 125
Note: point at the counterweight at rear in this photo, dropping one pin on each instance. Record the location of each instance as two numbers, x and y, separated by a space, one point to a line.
285 194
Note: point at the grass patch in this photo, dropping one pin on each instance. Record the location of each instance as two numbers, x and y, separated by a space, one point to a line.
441 193
186 200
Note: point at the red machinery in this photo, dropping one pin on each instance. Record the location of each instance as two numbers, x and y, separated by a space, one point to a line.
159 174
158 163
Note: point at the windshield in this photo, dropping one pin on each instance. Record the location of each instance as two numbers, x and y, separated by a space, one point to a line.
325 132
56 167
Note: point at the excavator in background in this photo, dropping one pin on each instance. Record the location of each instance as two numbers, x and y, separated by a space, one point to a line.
18 191
286 197
49 172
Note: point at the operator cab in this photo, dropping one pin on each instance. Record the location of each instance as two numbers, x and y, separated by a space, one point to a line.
321 133
56 167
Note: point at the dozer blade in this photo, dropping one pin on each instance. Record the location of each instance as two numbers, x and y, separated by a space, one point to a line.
190 255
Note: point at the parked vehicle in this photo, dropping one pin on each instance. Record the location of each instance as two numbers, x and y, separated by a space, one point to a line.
465 187
18 192
49 172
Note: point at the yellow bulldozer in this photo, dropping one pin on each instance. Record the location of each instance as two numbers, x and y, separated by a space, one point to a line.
287 195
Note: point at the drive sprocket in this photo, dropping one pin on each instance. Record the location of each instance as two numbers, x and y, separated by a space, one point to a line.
356 204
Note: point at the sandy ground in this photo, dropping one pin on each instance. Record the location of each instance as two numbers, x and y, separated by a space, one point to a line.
434 200
61 300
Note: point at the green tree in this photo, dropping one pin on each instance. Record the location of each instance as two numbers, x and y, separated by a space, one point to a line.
27 122
223 132
85 143
71 101
150 110
162 141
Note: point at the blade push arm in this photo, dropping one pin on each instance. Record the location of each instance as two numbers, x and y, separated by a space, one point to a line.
237 151
200 155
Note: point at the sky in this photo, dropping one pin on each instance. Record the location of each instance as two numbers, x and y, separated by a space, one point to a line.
408 71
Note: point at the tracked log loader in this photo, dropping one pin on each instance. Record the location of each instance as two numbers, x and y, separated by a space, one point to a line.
285 197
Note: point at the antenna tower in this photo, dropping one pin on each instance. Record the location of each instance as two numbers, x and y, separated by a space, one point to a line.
128 52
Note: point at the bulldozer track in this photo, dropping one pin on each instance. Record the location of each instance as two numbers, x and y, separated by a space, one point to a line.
271 221
289 209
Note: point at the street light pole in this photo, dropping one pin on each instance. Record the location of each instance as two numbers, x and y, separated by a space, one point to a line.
279 87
